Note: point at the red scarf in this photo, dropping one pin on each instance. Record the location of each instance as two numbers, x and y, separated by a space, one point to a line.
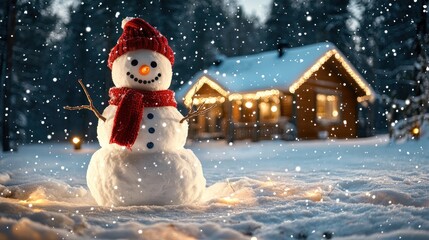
131 104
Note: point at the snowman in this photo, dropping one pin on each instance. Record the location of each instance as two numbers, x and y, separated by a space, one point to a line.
142 159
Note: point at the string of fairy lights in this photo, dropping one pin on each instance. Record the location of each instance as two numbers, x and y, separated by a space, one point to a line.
191 98
369 92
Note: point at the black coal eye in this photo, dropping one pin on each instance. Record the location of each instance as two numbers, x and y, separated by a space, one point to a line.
134 62
153 64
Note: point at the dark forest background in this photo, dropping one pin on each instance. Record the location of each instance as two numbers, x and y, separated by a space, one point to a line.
55 44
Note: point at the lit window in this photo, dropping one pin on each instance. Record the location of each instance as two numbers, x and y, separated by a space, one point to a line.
327 108
269 110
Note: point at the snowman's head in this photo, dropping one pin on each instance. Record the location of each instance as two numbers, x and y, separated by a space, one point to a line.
142 69
142 58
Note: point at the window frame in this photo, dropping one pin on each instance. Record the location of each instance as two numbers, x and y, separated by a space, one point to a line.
325 120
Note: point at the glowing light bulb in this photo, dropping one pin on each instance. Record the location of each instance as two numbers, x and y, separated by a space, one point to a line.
77 143
415 131
274 108
76 140
248 104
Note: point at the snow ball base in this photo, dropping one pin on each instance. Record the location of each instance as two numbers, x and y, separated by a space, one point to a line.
122 178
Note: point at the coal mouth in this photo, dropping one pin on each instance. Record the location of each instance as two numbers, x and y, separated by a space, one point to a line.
142 81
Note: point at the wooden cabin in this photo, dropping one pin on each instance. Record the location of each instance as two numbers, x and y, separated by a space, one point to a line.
307 92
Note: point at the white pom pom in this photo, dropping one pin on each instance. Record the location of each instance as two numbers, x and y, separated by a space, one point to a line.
125 21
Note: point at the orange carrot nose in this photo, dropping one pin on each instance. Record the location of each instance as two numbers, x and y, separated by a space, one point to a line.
144 69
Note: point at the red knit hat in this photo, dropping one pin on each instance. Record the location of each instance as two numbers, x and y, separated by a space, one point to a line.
138 34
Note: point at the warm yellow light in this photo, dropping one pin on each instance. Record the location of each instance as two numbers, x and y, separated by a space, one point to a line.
208 100
310 71
36 197
415 131
77 143
274 108
369 93
314 195
229 200
335 113
331 98
196 101
255 95
321 97
248 104
364 98
198 85
76 140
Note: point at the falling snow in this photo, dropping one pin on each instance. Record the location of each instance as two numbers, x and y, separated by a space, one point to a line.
366 188
375 188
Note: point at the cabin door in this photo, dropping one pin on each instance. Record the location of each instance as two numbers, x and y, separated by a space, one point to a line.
211 123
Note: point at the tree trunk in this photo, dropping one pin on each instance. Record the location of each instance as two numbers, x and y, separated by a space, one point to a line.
7 77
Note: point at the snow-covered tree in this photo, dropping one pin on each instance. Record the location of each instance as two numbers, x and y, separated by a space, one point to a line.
407 115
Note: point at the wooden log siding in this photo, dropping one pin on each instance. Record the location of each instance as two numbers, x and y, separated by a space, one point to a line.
286 109
330 78
329 75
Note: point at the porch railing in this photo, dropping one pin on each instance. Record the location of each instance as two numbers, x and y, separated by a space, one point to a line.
253 131
257 131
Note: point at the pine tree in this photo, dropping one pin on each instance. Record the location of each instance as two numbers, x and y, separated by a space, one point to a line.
6 69
282 25
385 38
407 116
26 80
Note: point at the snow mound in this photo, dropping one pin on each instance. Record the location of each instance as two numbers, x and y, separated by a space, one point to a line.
21 221
248 191
390 196
354 189
398 234
56 191
25 229
4 178
171 231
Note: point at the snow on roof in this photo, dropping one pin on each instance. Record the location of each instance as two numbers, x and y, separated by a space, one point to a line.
264 70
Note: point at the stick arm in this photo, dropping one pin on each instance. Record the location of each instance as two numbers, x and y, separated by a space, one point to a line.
88 107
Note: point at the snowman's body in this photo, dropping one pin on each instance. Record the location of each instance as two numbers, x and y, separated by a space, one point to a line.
160 130
157 169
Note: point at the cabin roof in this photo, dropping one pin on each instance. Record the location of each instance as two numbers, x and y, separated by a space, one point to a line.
266 70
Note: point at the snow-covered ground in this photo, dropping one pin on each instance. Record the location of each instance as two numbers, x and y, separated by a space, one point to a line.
340 189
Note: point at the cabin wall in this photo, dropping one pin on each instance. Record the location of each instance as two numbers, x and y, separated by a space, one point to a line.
286 106
324 106
327 80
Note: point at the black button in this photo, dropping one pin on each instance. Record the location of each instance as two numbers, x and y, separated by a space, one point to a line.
150 145
151 130
150 115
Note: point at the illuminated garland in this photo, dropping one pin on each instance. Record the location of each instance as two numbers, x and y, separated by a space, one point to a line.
191 99
200 83
369 93
254 96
